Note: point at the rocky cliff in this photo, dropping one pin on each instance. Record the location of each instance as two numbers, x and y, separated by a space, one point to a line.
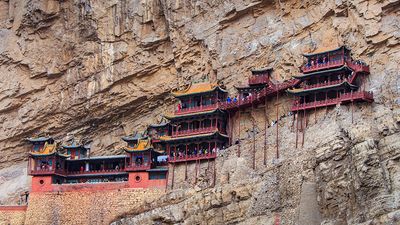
97 70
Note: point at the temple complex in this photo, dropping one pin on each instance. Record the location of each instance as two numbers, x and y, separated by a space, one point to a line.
199 127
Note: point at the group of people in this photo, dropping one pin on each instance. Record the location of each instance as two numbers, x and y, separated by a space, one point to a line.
194 152
320 61
245 97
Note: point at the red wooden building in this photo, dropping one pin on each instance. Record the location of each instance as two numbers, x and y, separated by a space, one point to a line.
329 78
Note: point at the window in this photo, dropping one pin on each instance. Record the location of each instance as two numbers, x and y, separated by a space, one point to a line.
157 176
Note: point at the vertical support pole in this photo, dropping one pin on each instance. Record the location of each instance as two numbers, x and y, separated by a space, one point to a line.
186 152
265 133
214 173
304 127
277 125
352 108
175 153
173 174
315 108
167 177
195 181
238 152
229 128
254 139
297 126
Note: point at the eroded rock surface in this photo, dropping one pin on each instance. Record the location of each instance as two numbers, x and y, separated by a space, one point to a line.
97 70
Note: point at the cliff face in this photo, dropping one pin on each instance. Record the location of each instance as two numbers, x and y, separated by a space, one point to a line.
100 69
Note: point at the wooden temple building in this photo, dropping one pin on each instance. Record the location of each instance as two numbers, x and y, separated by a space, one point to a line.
199 127
196 130
329 78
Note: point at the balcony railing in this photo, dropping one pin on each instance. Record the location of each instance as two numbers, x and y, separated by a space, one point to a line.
257 96
105 171
329 83
254 80
354 96
357 67
184 158
196 109
137 167
321 66
197 131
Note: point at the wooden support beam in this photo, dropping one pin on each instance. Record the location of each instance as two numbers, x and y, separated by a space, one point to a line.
254 139
303 127
297 126
214 173
238 151
173 173
277 125
265 127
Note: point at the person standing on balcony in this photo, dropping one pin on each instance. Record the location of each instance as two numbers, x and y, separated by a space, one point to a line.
179 107
235 99
228 100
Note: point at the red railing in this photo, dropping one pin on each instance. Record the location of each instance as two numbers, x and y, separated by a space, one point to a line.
329 83
361 95
357 67
257 96
110 171
321 66
263 79
196 109
42 171
184 158
135 167
194 131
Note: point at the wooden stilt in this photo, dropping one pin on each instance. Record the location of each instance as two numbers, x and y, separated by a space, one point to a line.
167 175
229 128
277 125
195 181
238 152
173 173
315 108
265 134
303 128
254 139
297 126
215 173
352 108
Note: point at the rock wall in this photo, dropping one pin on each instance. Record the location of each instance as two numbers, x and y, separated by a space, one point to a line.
14 215
97 70
83 207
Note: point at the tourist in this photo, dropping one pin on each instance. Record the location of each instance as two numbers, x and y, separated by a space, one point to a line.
228 100
179 107
235 99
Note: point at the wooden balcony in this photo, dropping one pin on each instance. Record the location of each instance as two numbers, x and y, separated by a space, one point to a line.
137 167
187 158
196 109
255 80
190 132
357 67
343 98
46 171
322 66
319 85
258 97
93 172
